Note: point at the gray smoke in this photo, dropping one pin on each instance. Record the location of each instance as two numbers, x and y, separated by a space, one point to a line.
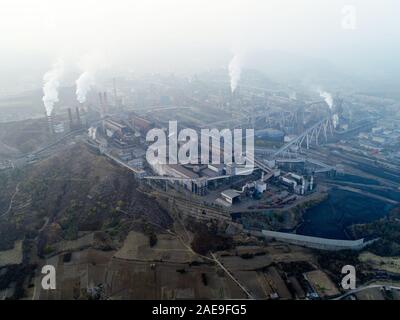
235 71
51 85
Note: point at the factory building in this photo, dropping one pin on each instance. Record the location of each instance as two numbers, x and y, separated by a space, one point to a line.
190 180
120 135
140 124
113 127
270 134
58 127
288 182
233 169
297 183
231 196
92 133
218 168
136 163
261 187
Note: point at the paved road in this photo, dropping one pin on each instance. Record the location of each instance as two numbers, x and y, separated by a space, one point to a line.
11 201
231 276
365 193
376 286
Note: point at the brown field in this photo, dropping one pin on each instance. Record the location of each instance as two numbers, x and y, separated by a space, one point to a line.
322 284
389 264
13 256
168 248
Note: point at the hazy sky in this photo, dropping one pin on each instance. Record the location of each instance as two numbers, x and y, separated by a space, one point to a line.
178 34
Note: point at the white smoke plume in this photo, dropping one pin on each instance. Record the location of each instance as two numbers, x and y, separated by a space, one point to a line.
293 95
235 72
51 81
327 97
335 120
84 83
91 64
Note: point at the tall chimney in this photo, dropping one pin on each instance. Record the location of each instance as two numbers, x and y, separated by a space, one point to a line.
115 92
101 104
100 99
71 122
50 129
105 100
78 116
50 125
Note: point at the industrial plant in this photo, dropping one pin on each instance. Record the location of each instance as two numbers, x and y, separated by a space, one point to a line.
217 152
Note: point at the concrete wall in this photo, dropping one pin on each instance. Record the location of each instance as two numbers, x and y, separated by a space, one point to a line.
314 242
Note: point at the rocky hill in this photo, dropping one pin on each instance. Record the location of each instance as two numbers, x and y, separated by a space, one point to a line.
72 192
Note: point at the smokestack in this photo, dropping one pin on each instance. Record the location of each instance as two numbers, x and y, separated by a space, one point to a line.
50 128
71 122
102 109
78 116
105 99
115 91
51 85
235 71
101 99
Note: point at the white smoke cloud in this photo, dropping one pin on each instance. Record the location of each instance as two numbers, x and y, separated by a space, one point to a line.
235 72
329 101
83 84
51 85
335 120
327 97
91 64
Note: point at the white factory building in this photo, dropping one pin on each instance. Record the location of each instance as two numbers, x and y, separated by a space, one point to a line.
187 178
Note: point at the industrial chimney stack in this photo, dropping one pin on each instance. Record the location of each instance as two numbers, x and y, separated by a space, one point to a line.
71 122
78 117
101 104
50 124
50 129
115 92
105 101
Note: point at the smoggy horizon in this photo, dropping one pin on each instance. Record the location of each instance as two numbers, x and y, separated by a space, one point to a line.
280 38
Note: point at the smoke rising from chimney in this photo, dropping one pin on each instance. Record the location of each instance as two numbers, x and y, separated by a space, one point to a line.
329 101
335 120
83 84
91 64
51 81
235 72
327 97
